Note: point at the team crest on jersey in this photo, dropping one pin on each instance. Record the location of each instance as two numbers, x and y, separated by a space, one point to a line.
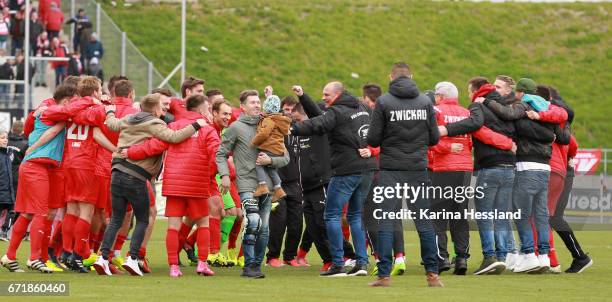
363 131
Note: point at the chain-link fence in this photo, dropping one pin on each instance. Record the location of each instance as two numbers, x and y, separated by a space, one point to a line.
121 56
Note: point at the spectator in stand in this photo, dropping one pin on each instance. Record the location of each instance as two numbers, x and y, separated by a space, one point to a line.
95 69
5 25
44 6
94 49
17 31
81 22
36 28
43 49
75 67
6 73
54 20
59 51
19 59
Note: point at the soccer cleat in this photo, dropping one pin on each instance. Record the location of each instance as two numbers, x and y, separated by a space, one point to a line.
114 270
144 265
131 265
358 270
374 271
38 265
76 263
175 271
93 257
293 262
53 266
193 259
63 260
380 282
274 262
203 269
274 206
221 261
240 261
555 269
511 260
11 265
3 236
527 263
212 259
102 267
433 280
118 261
303 262
399 268
325 267
232 255
490 265
334 271
579 265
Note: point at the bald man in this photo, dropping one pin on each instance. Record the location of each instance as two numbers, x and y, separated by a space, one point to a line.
346 122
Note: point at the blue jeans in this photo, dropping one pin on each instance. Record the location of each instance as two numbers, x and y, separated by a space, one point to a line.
342 189
495 234
256 229
425 228
531 198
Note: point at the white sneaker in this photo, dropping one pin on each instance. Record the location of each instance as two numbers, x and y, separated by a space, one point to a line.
131 265
101 267
527 263
511 260
544 265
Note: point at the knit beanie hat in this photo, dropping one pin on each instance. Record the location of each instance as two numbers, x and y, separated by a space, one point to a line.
272 104
526 85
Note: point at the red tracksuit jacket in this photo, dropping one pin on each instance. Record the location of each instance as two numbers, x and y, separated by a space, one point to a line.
441 158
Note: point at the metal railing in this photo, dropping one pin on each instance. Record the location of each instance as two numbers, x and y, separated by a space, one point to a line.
121 56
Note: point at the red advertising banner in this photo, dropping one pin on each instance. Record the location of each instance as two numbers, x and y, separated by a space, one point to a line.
587 161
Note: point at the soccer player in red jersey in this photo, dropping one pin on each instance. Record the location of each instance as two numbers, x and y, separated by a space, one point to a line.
35 189
81 149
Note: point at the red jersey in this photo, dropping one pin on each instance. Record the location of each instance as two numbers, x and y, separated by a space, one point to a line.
80 150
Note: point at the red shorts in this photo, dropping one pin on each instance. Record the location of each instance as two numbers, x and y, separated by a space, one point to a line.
57 189
104 200
81 186
151 199
194 208
33 190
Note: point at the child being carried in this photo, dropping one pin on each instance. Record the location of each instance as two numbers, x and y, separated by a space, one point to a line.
270 136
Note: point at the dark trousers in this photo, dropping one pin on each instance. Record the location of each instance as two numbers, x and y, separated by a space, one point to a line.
459 228
10 217
558 223
316 230
127 189
424 226
372 227
287 216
